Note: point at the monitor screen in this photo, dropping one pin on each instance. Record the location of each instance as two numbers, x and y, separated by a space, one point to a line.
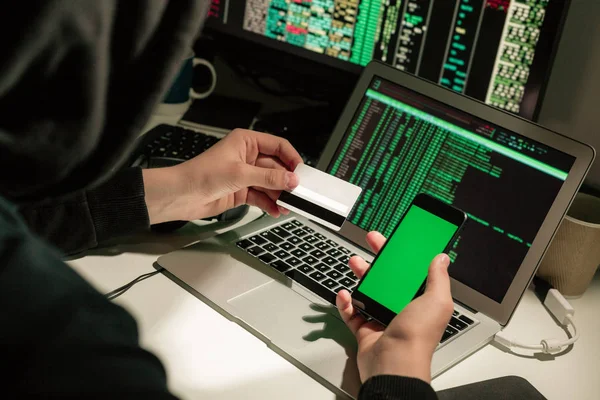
497 51
401 143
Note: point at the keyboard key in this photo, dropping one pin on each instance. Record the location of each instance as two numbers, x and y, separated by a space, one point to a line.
351 275
317 253
306 247
267 258
334 253
466 319
288 226
255 251
310 260
455 313
280 232
347 282
296 222
293 261
298 253
337 290
457 324
311 284
317 276
331 243
310 239
257 240
330 283
244 244
322 246
322 267
309 229
334 274
320 236
344 259
282 254
287 246
330 261
270 247
341 268
305 268
344 250
448 333
280 266
271 237
294 240
300 232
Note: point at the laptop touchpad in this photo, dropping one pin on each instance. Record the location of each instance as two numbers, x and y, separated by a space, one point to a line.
283 316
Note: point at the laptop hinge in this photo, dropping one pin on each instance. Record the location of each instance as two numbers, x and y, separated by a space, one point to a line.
471 309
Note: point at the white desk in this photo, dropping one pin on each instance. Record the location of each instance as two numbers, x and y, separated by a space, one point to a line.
207 356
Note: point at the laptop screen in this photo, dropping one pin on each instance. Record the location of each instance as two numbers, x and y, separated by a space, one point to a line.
401 143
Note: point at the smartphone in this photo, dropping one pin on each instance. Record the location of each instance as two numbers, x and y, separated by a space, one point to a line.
398 273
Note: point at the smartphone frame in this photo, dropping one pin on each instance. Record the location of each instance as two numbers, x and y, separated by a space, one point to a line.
379 312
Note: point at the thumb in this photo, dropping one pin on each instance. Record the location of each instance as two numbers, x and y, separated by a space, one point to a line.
438 281
269 178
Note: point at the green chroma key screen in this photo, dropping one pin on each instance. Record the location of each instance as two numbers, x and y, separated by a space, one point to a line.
401 267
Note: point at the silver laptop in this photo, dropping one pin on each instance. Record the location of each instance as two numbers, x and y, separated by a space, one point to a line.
398 136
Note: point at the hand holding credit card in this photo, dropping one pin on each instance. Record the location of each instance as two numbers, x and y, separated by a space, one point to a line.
320 197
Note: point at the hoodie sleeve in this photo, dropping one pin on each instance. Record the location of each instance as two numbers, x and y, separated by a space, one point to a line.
84 219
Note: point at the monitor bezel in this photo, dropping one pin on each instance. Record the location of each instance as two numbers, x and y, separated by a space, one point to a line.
583 153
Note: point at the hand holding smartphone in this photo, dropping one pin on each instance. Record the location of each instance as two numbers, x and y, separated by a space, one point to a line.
398 273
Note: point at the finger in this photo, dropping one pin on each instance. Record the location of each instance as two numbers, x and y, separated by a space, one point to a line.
269 162
273 194
438 281
262 201
358 265
375 240
275 146
349 314
268 178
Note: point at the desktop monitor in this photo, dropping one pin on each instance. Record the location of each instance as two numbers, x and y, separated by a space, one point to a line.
497 51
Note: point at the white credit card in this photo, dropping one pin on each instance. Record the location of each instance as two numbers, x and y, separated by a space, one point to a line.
321 197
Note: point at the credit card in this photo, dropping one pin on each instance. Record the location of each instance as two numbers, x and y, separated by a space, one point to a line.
320 197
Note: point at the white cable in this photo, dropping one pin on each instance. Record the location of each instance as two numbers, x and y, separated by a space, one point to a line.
563 312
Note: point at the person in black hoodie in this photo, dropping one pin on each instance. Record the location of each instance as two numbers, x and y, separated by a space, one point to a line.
78 81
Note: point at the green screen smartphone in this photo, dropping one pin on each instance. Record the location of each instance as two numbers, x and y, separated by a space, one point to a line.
398 273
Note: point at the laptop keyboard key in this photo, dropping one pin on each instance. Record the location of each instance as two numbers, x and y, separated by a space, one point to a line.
300 232
317 253
280 266
306 247
331 243
341 268
455 313
344 259
466 319
255 251
352 276
287 246
271 237
322 246
244 244
322 267
305 268
294 240
334 274
334 252
310 260
293 261
320 236
257 240
296 222
298 253
344 250
280 232
457 324
448 333
310 239
329 261
311 284
270 247
347 282
330 283
282 254
288 226
267 258
309 229
317 276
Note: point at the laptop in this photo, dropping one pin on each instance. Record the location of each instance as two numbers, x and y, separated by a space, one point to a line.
398 136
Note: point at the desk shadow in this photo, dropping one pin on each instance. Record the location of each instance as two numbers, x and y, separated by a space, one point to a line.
155 243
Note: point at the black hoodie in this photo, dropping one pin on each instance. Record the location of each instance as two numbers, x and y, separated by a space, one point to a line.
78 80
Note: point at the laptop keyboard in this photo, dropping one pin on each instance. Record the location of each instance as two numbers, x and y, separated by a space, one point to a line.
318 263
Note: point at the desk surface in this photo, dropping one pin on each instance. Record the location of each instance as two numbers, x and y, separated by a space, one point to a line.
207 356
